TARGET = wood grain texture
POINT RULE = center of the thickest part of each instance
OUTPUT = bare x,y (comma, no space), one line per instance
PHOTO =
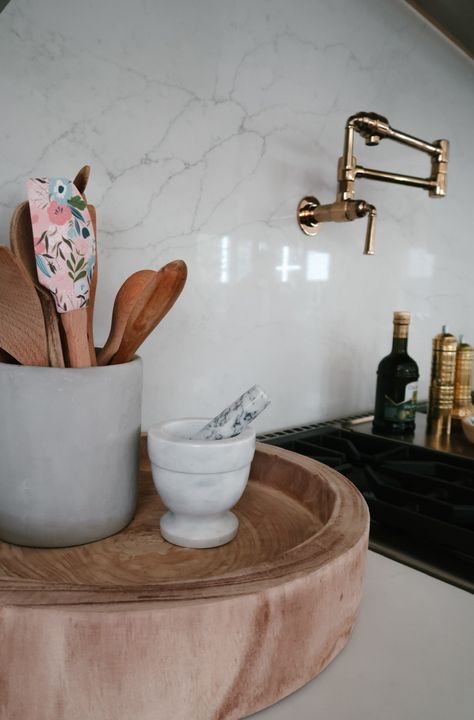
150,308
81,180
22,329
128,294
21,243
74,324
131,627
92,290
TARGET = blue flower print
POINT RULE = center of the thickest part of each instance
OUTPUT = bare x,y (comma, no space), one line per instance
60,189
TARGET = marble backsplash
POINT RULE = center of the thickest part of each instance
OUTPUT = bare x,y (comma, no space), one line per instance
205,123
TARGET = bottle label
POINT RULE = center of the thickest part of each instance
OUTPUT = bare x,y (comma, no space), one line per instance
403,411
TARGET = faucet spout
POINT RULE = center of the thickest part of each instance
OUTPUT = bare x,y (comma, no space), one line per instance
373,128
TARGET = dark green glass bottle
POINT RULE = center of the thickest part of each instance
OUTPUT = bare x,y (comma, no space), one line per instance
397,376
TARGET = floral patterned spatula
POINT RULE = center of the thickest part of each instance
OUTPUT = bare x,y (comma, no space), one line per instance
65,251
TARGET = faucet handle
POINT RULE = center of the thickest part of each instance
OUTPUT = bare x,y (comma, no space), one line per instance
364,208
370,233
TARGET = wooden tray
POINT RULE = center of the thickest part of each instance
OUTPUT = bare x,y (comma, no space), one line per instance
134,628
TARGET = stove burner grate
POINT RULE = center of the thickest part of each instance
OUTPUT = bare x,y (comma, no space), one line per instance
416,496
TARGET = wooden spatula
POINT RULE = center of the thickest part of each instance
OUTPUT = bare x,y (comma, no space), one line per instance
125,301
64,244
154,302
21,243
22,330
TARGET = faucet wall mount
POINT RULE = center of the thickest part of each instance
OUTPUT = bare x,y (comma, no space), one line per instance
373,128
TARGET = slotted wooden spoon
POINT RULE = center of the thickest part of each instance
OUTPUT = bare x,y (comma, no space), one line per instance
22,330
155,301
125,301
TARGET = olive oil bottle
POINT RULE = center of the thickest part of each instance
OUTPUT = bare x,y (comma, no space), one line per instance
397,376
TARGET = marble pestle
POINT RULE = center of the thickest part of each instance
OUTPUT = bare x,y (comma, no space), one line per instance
231,421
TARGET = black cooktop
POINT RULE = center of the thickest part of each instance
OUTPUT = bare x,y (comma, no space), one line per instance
421,498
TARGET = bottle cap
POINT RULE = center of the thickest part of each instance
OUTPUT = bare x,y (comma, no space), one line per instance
401,317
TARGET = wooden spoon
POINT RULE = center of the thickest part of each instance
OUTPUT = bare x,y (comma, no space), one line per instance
64,244
22,330
124,304
21,242
155,301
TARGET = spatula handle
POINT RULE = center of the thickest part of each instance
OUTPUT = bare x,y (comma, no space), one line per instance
75,328
92,291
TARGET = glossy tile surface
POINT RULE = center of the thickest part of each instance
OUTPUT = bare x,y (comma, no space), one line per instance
204,124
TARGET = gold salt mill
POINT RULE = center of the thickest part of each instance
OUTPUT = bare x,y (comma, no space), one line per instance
463,383
443,373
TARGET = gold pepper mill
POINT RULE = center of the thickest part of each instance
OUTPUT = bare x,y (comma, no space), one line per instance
463,383
443,372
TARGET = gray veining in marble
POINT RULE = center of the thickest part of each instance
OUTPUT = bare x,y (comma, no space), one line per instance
204,124
236,416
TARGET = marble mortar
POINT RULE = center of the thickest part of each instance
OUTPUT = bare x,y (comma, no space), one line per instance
198,481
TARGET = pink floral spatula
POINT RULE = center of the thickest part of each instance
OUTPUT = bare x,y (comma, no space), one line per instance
65,252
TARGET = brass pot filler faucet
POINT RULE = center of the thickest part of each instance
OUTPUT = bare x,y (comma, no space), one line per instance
373,129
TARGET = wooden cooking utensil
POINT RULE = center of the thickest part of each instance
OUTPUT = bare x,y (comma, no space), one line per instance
80,182
64,244
156,300
81,179
21,242
125,301
22,330
92,292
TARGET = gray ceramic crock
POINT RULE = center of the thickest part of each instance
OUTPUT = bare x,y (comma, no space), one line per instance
69,451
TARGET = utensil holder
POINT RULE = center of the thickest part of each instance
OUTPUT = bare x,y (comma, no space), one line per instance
69,452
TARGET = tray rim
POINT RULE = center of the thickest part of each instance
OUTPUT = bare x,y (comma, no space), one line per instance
308,557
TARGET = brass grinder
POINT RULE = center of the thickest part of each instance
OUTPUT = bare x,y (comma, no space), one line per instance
443,373
463,406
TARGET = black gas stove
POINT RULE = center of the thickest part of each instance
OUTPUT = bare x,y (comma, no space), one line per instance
420,491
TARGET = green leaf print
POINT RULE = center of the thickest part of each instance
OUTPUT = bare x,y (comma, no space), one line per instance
77,202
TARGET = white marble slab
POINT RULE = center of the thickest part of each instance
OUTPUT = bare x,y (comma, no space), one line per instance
205,123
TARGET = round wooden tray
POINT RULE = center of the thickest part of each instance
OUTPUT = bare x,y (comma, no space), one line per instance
132,627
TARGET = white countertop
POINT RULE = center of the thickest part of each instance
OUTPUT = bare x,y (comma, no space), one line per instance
410,657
